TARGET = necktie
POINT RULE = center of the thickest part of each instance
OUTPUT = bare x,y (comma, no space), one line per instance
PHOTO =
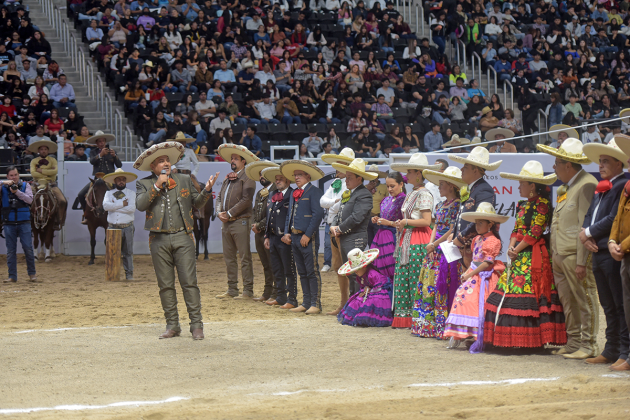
277,197
603,186
297,194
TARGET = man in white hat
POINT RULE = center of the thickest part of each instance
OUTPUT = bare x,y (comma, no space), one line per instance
168,200
501,146
561,136
44,171
120,205
571,263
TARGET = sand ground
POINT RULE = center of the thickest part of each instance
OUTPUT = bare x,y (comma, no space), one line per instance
75,340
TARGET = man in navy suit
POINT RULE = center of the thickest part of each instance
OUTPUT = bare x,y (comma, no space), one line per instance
281,253
302,230
594,235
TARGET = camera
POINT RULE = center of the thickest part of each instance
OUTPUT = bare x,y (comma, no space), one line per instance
13,203
14,187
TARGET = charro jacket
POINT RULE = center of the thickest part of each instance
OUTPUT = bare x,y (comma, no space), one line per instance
238,198
354,215
259,218
277,214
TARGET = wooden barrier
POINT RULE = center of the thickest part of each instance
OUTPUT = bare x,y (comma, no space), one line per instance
113,254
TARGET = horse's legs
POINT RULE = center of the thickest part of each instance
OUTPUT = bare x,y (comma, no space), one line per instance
36,244
92,243
48,242
205,226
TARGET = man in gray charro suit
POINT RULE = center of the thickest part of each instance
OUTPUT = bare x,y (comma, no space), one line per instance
351,223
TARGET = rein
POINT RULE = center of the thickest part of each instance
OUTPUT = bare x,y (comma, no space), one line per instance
43,210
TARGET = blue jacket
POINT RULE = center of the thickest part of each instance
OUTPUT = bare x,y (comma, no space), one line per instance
21,213
606,213
308,213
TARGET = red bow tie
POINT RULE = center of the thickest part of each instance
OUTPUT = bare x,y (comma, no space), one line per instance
277,197
603,186
297,194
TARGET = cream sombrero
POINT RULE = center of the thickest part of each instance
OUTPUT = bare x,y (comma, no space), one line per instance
129,176
252,170
571,150
594,150
492,134
417,161
100,135
451,174
477,142
357,259
485,211
34,147
479,156
181,137
345,156
456,141
567,129
172,149
288,167
228,149
532,172
271,172
374,169
625,113
357,167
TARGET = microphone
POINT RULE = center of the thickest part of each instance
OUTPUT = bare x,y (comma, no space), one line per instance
163,173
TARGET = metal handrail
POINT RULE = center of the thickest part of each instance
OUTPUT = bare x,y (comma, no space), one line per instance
421,16
108,106
130,145
477,69
540,130
119,124
507,83
463,60
495,76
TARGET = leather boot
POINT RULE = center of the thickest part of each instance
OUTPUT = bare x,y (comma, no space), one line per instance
169,334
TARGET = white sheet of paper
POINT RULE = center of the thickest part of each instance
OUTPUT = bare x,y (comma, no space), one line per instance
451,252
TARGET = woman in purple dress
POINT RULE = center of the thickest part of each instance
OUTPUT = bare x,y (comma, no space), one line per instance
385,238
372,305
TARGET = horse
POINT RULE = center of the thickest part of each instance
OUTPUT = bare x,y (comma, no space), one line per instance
201,225
96,216
43,211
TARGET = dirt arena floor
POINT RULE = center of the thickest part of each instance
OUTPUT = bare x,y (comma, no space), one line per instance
74,346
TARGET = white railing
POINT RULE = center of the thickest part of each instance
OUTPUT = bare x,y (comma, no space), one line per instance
507,83
476,68
495,77
461,60
273,149
541,113
108,106
420,10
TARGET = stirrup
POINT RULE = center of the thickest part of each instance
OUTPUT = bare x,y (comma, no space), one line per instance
453,343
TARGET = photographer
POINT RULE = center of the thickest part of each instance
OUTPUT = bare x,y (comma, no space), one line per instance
16,197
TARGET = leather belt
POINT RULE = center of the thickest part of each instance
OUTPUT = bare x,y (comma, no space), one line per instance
233,219
296,232
119,226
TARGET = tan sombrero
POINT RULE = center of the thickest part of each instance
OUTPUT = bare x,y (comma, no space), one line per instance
148,63
532,172
100,135
172,149
228,149
570,131
594,150
374,169
417,161
480,157
357,259
485,211
625,113
451,174
252,170
271,172
477,142
288,167
181,137
129,176
571,150
357,167
491,134
345,156
34,147
456,141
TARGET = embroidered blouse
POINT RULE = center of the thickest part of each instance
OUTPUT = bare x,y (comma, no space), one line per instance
391,207
423,202
485,248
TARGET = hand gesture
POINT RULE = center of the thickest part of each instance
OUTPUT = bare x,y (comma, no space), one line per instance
615,251
430,248
580,272
267,243
211,182
512,254
287,239
125,203
466,276
254,229
223,216
583,236
375,219
103,153
304,241
591,245
162,178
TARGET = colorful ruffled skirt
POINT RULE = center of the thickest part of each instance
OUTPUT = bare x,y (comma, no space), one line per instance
376,311
385,241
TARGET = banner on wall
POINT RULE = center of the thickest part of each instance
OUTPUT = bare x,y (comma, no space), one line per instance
77,237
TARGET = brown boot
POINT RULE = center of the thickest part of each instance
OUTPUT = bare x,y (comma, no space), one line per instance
169,334
198,334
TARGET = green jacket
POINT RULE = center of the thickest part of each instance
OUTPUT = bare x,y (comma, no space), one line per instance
151,200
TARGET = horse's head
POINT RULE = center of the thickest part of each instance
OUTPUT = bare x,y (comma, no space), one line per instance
100,188
42,207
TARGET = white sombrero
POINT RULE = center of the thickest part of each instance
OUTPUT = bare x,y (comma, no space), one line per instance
567,129
288,167
571,150
271,172
357,167
625,113
485,211
228,149
480,157
456,141
374,169
181,137
172,149
532,172
345,156
252,170
477,141
100,135
491,134
451,174
417,161
129,176
357,259
34,147
594,150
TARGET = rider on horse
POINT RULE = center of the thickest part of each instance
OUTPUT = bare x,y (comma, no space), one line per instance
44,172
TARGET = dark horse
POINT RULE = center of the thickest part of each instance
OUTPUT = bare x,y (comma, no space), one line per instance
201,225
96,216
43,211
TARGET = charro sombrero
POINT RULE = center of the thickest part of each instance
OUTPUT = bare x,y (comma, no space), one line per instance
181,137
567,129
485,211
417,161
374,168
228,149
594,150
271,172
34,147
491,134
532,172
100,135
571,150
456,141
252,170
477,157
129,176
288,167
625,113
345,156
451,174
477,141
357,259
357,167
172,149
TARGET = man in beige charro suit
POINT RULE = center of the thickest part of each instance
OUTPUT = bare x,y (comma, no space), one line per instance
571,260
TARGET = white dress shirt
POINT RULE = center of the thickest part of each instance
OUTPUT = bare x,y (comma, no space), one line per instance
189,162
329,201
117,212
